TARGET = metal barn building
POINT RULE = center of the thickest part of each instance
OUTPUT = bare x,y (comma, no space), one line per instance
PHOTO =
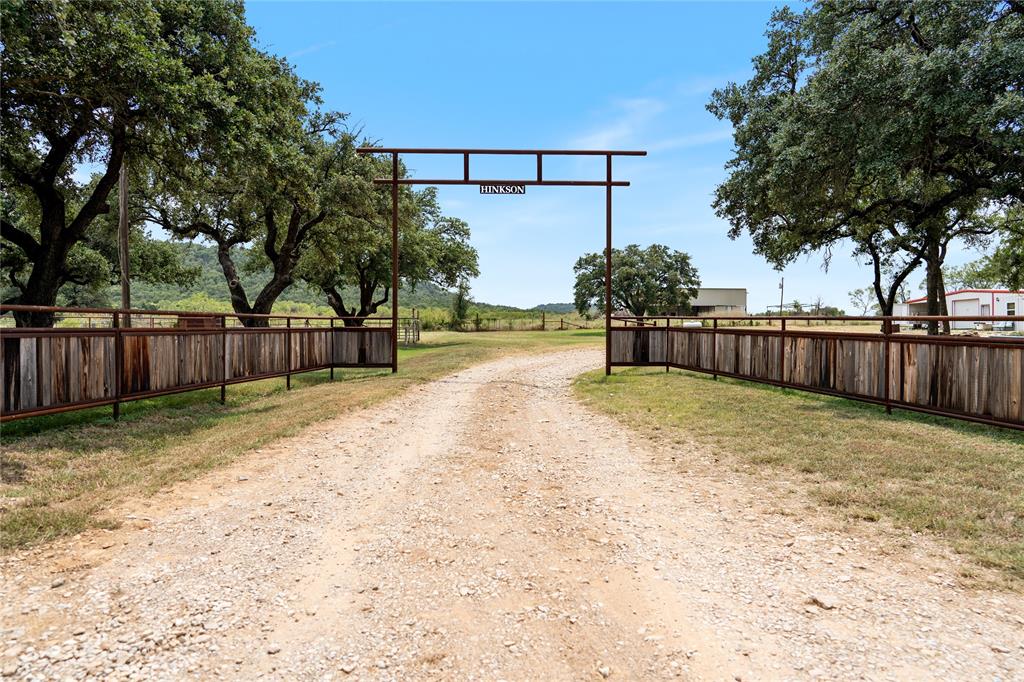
718,301
981,302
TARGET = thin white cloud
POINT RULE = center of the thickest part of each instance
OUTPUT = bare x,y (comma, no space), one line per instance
691,140
310,49
639,122
632,116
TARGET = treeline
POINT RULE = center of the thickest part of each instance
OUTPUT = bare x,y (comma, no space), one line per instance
217,140
201,261
206,292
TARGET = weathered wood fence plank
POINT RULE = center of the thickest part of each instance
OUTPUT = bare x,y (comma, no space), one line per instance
50,370
969,377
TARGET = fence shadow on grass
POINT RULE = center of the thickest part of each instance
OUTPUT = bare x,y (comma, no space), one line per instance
843,408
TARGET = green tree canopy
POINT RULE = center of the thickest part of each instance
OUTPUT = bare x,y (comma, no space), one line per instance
898,124
89,83
655,280
460,304
296,173
355,248
92,263
1007,261
1003,267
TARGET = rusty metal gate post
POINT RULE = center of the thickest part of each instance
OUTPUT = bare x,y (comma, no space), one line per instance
608,268
394,261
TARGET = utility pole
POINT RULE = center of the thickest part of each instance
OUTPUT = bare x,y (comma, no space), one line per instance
122,241
782,294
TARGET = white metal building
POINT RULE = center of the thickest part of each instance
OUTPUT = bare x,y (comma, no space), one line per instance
720,301
981,302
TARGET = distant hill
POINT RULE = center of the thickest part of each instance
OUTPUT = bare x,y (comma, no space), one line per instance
561,308
211,284
210,287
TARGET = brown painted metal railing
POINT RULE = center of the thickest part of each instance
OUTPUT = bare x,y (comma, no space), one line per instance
969,376
92,358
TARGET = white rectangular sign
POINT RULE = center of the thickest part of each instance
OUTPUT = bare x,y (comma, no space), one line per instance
502,189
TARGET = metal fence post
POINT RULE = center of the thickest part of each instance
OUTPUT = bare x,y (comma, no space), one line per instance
332,349
714,348
118,364
903,371
668,323
886,331
782,352
224,358
288,353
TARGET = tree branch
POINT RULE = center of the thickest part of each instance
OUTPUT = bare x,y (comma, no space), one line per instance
270,243
335,301
387,293
97,201
309,224
16,283
19,238
61,146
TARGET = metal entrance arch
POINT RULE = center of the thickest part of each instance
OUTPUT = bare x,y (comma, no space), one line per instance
466,179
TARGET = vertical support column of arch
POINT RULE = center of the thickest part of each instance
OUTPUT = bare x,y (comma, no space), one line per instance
608,268
394,262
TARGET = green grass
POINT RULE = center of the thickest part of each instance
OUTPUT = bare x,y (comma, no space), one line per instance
961,482
61,473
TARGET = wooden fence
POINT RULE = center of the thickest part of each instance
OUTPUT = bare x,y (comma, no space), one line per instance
978,378
70,367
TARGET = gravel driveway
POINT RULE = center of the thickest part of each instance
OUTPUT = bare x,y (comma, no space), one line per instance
487,526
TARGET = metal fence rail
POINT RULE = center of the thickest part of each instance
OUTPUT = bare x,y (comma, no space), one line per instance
91,358
973,377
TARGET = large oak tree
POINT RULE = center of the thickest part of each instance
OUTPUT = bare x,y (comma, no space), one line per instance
898,125
652,281
272,199
84,84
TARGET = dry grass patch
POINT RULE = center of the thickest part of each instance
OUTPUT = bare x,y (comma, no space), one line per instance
61,473
959,481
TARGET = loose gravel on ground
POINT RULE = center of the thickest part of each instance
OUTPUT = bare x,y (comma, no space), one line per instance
487,526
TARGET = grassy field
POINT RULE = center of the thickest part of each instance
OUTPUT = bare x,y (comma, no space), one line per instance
959,481
60,473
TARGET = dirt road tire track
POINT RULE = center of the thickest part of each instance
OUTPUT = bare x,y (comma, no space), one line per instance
487,526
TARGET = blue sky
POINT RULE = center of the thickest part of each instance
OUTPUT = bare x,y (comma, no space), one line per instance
539,75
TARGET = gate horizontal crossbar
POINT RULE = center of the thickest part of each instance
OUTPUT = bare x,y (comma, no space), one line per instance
537,181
